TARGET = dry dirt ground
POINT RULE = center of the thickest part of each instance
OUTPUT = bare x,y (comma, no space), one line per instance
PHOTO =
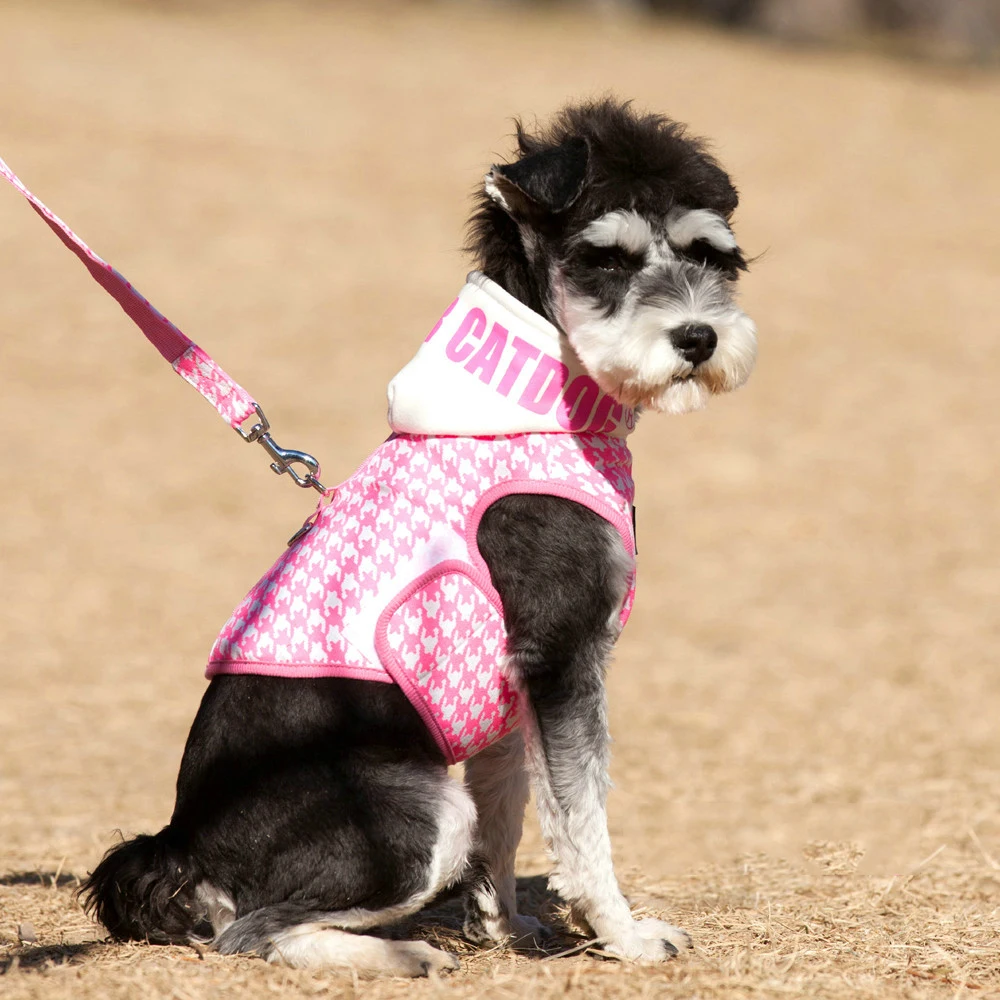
805,705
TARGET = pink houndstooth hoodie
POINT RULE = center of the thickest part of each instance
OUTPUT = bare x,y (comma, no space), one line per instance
388,584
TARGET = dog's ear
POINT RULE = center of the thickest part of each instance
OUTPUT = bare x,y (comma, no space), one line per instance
540,184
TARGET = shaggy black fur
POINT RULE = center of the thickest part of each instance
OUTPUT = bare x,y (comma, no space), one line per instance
283,796
613,158
144,890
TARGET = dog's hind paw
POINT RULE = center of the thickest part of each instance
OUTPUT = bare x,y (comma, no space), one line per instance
417,958
519,931
527,932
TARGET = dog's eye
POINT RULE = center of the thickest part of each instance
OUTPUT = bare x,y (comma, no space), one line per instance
728,261
613,258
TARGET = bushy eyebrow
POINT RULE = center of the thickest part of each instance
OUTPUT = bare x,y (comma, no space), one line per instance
622,228
686,225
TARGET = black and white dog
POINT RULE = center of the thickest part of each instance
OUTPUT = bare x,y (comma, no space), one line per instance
312,811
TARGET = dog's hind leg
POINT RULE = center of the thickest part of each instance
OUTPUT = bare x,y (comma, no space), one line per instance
308,813
315,944
498,783
304,934
292,936
562,574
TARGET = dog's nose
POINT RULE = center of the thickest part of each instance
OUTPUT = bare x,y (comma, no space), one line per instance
694,342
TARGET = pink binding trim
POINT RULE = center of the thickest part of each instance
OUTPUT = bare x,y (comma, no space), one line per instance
296,670
231,400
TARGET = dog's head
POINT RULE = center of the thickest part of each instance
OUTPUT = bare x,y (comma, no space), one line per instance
615,225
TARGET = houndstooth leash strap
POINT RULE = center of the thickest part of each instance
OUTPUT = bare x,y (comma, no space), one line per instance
233,403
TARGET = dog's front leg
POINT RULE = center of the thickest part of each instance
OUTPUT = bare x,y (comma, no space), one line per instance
498,783
562,574
569,757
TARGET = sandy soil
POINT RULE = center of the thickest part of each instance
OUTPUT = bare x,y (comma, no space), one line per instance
805,704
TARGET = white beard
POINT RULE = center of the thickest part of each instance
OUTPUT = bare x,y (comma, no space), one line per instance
631,357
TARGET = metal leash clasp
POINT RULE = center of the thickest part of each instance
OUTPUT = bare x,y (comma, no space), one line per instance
283,459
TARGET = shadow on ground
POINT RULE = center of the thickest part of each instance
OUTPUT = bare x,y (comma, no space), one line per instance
34,958
47,880
441,922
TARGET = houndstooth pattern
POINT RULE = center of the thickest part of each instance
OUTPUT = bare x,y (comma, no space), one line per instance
200,371
389,585
448,638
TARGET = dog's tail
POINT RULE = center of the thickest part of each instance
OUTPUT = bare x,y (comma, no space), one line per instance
144,889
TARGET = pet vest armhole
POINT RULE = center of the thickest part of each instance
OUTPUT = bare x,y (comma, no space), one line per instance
620,517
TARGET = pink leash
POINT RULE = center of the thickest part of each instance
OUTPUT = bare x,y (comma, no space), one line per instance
233,402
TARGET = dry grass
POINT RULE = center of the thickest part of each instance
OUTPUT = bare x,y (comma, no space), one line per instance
805,701
763,927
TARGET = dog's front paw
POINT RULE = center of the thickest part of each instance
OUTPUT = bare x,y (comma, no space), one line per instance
650,940
652,929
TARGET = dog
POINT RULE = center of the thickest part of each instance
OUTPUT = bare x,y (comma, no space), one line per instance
489,550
